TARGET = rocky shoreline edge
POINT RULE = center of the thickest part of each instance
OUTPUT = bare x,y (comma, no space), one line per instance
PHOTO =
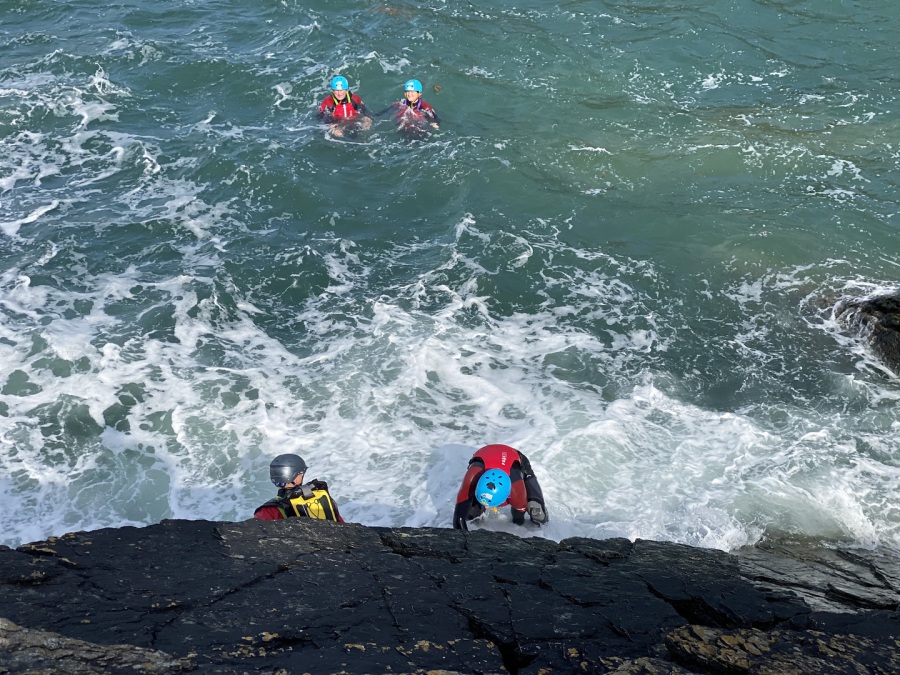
305,596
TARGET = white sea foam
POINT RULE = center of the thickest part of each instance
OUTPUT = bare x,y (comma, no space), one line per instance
11,228
713,81
705,401
376,413
589,149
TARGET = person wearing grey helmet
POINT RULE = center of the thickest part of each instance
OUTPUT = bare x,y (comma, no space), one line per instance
297,498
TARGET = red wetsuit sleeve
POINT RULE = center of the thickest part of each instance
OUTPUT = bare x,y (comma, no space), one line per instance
336,512
359,106
467,487
327,106
517,496
430,112
268,513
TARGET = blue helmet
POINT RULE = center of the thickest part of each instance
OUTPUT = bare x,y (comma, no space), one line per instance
493,488
339,83
413,85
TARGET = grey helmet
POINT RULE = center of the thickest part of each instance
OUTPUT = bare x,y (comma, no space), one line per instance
285,468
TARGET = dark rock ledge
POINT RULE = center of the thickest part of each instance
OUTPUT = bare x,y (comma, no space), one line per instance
300,596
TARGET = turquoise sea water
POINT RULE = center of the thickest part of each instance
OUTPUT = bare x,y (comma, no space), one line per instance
618,254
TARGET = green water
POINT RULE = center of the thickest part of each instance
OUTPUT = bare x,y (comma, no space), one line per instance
619,253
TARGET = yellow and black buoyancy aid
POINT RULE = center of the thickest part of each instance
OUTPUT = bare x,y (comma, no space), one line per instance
310,500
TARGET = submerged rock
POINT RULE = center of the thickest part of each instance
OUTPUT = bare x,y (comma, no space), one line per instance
877,320
320,597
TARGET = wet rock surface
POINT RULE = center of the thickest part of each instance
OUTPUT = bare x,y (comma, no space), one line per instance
830,580
318,597
37,651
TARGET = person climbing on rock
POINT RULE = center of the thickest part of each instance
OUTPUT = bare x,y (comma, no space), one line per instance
499,475
296,498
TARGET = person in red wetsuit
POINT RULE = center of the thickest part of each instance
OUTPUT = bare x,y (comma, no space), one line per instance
499,475
412,113
296,498
343,110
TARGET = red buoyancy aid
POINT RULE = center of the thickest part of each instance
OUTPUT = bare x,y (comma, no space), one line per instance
344,110
502,457
498,457
419,110
417,113
493,457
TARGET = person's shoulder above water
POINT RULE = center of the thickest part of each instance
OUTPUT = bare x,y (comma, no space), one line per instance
414,111
343,110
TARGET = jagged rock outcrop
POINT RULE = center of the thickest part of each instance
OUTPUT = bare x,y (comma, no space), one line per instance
876,320
779,651
318,597
38,652
827,579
